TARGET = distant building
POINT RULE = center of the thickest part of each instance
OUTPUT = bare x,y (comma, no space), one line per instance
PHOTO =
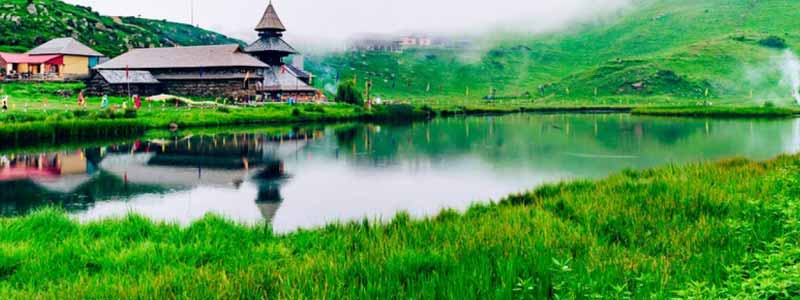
416,41
203,71
58,59
374,43
281,81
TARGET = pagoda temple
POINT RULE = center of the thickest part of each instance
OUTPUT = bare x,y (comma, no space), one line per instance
281,81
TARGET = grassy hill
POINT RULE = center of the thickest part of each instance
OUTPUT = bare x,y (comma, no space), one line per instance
676,50
25,24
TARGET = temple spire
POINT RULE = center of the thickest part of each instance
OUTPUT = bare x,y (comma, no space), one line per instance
270,22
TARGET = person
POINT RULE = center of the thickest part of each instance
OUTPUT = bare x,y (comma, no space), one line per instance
125,104
5,103
104,104
81,99
137,102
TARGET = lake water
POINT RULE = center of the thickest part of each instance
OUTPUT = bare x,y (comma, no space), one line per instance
310,176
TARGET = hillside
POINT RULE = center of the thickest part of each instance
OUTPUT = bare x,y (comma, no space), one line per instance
674,49
24,24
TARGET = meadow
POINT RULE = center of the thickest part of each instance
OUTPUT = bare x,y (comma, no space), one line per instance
725,230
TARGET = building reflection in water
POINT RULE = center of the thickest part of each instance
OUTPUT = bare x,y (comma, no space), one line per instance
79,180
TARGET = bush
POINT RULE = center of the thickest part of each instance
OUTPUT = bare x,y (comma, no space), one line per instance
296,112
130,113
314,108
59,117
773,42
769,104
347,92
80,113
223,109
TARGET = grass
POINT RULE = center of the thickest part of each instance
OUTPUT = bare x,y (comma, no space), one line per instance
726,230
717,111
686,50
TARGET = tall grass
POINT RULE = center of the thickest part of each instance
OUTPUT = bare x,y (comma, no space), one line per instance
703,231
717,111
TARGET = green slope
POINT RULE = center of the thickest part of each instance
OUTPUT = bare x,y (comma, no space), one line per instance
670,49
25,24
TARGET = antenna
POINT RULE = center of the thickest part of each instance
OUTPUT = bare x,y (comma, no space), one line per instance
191,7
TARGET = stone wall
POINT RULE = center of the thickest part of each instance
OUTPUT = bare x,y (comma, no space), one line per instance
98,86
218,88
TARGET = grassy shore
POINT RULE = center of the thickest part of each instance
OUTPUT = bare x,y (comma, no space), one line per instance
727,230
718,111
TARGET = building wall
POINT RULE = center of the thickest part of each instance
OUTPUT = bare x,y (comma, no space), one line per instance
75,66
209,88
97,86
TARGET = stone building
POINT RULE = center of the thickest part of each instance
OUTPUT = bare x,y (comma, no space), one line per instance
202,71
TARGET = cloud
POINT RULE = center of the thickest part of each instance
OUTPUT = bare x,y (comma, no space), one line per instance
327,20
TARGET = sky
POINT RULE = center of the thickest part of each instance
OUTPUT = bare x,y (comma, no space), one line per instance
338,20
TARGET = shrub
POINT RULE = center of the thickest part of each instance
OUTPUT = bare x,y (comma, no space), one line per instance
314,108
769,104
773,42
296,112
347,92
58,117
223,109
130,113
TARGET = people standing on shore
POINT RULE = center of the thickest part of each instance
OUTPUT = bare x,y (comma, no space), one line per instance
81,100
5,103
104,103
137,102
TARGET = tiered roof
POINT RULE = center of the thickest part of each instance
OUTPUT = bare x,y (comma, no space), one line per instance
270,21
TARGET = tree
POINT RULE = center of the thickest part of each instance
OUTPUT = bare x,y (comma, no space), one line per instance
773,42
347,92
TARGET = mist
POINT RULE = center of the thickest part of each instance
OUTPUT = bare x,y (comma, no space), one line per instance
790,67
332,22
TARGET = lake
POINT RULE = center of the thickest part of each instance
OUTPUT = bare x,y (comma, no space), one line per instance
309,176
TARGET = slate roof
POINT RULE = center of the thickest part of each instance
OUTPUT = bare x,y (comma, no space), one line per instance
297,72
183,57
270,21
275,80
65,46
198,76
272,43
119,77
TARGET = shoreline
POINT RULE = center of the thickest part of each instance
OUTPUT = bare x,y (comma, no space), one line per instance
71,126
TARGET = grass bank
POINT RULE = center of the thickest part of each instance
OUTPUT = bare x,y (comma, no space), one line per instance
727,230
718,111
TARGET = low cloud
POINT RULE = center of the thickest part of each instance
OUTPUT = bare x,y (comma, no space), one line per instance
331,21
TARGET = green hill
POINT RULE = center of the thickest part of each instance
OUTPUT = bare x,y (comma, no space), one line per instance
25,24
669,49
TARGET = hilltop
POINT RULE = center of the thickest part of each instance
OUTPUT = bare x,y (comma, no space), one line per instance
677,49
25,24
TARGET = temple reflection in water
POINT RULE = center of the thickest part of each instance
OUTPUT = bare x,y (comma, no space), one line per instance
78,180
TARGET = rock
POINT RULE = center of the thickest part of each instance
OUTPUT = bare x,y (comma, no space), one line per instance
99,25
32,9
638,86
173,126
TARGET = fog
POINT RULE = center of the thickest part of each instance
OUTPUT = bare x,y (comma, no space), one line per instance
325,21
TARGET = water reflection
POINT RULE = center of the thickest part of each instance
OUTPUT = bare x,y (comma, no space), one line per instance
307,177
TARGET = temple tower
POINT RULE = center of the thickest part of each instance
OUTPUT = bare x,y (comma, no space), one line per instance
270,46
